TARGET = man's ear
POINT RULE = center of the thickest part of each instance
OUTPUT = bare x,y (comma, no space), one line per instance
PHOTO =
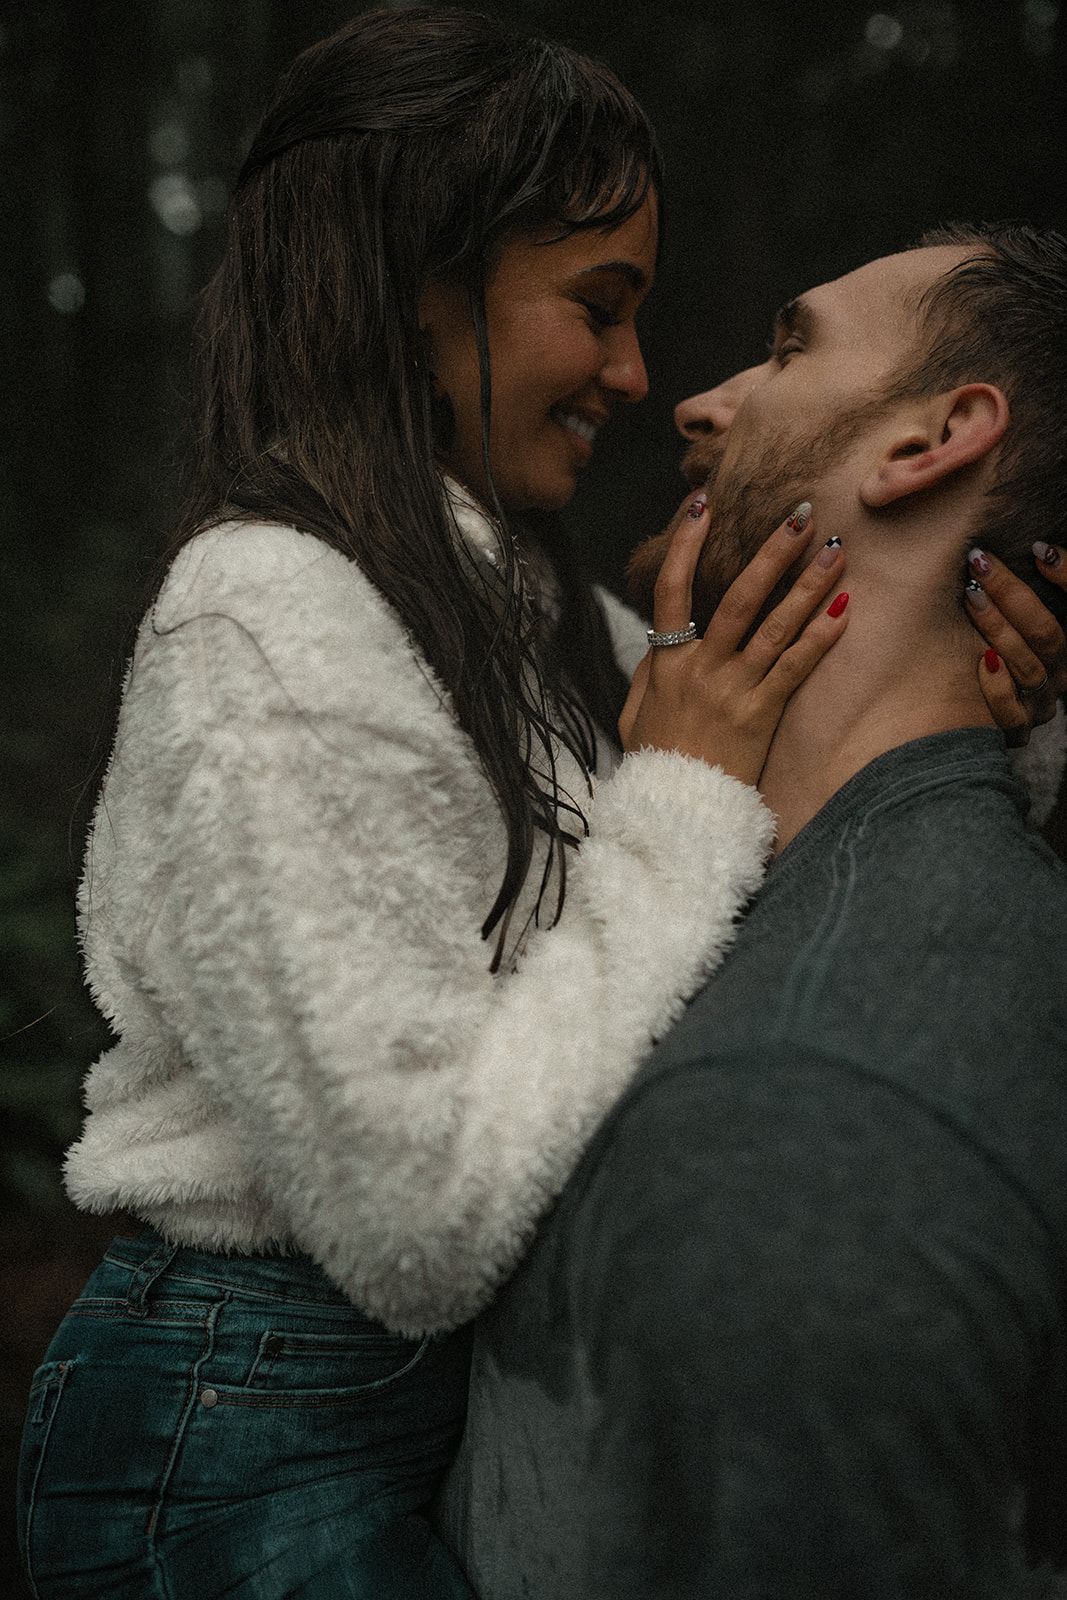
952,430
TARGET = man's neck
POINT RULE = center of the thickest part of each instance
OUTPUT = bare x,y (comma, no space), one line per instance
889,679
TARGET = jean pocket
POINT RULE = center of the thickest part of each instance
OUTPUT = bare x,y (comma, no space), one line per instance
287,1361
46,1392
317,1404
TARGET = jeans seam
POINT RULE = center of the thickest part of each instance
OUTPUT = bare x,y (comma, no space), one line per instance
263,1370
179,1440
279,1296
65,1368
119,1311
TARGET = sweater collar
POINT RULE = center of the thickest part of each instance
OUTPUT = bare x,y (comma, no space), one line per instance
479,530
954,757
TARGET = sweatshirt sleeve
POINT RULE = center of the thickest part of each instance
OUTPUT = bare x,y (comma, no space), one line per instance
314,942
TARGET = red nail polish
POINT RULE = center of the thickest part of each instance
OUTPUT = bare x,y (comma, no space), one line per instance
835,608
992,660
697,507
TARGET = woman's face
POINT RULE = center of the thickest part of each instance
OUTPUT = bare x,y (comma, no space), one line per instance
563,348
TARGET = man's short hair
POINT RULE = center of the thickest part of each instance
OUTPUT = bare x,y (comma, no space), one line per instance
1001,317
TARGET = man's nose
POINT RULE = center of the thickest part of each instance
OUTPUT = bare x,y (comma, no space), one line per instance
713,411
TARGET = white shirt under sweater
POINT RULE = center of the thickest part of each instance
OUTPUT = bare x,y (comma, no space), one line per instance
291,859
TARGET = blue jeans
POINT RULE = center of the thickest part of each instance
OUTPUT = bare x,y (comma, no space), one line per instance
207,1425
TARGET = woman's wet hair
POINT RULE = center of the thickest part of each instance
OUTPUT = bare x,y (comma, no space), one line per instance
413,144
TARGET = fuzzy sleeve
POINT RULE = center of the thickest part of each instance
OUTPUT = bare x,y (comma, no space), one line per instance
1039,765
317,955
628,631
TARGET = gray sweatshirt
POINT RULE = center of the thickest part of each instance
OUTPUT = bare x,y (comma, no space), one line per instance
796,1329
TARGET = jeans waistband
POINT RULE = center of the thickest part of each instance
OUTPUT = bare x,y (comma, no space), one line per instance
277,1274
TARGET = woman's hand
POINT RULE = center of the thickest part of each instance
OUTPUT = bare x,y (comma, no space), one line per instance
1024,636
712,698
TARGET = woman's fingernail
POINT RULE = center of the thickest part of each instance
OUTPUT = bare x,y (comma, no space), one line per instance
980,562
697,507
1047,554
992,660
799,520
976,595
835,608
828,554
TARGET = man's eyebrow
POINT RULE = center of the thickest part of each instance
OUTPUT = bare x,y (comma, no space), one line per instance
637,280
795,316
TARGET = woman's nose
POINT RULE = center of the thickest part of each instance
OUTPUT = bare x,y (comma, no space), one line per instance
624,372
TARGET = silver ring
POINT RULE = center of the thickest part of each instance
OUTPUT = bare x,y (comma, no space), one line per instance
659,641
1037,686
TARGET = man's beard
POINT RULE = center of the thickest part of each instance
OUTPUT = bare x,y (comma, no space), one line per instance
747,503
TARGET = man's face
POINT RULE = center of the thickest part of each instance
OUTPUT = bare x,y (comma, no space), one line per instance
785,431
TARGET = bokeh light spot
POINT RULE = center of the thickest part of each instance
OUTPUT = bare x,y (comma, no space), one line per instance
66,293
883,31
174,201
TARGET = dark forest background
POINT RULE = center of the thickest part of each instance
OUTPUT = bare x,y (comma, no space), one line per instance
800,140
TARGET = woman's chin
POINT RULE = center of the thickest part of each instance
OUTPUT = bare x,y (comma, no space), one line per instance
547,492
546,495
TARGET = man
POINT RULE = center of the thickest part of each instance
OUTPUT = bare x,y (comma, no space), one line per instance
797,1329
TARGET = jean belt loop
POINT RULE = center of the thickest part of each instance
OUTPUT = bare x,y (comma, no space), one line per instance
145,1276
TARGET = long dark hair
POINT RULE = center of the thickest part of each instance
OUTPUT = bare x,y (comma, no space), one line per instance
412,144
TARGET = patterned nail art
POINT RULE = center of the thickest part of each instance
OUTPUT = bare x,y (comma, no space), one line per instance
980,562
697,507
976,595
799,520
1047,554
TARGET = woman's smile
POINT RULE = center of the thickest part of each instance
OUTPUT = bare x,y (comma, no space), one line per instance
583,429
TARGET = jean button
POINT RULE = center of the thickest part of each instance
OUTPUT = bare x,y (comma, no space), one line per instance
209,1398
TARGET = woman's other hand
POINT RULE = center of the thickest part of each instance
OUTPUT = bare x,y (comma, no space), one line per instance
1024,637
718,698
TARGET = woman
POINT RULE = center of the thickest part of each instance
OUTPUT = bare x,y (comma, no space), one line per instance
350,798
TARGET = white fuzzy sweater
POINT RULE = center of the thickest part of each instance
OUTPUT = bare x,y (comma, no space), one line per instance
291,858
